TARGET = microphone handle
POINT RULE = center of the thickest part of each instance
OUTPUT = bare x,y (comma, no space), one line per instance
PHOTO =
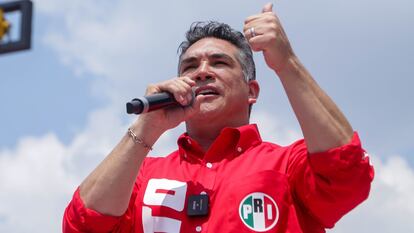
158,100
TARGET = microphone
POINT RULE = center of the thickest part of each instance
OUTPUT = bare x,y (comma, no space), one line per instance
152,102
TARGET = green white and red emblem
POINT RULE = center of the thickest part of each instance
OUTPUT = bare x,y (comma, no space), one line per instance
259,212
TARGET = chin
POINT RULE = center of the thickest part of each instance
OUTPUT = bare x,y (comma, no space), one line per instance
207,111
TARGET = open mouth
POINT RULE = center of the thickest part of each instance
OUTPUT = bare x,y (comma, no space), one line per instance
206,91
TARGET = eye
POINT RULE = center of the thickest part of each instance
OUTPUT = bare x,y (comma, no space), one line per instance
220,63
188,68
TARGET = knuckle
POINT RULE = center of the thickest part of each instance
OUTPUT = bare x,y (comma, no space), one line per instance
247,20
269,19
151,88
270,14
272,37
273,26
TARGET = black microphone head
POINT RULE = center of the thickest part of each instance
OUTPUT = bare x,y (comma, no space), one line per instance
135,106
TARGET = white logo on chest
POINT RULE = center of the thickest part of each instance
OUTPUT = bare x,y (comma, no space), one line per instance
163,192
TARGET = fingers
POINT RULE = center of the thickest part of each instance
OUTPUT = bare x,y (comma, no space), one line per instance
265,26
180,87
267,10
259,43
256,17
266,19
261,26
265,35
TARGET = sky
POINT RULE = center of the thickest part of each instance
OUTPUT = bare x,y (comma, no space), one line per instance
62,105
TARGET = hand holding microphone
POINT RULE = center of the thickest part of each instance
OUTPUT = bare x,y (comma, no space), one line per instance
173,92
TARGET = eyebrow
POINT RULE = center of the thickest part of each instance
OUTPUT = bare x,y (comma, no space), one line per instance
212,56
222,56
188,60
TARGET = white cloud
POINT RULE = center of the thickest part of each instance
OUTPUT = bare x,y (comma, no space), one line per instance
38,177
90,43
390,207
34,185
113,42
272,130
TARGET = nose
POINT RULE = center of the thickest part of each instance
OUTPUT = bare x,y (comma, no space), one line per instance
203,72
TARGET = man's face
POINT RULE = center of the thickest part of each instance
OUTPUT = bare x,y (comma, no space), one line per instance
212,63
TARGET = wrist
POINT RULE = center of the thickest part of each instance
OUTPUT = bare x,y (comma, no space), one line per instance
291,65
145,131
138,140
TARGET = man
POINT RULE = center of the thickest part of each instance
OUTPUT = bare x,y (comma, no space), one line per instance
223,177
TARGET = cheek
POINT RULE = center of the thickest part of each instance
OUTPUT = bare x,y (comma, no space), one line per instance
238,95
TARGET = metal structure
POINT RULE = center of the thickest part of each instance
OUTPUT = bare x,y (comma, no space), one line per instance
25,7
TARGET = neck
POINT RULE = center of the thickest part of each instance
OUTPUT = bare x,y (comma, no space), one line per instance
206,133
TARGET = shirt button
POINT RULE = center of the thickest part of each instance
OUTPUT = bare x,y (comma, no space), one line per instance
203,193
209,165
239,149
198,228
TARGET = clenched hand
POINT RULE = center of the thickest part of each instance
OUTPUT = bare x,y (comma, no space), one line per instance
265,33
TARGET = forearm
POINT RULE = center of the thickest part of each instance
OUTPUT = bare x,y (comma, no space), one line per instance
322,123
109,187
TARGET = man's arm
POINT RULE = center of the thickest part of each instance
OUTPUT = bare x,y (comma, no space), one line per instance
108,188
322,123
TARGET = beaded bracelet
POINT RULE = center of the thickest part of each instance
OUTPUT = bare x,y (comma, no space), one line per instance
138,140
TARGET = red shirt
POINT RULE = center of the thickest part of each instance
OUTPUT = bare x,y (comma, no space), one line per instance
252,186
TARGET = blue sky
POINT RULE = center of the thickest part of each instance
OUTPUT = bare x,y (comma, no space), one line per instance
63,102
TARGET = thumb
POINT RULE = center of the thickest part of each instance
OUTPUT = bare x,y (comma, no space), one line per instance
268,7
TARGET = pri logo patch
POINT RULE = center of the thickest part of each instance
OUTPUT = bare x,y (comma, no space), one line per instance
259,212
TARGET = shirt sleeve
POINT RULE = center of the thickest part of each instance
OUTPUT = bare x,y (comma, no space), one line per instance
330,184
77,218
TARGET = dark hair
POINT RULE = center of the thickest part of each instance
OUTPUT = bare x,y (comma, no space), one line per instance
200,30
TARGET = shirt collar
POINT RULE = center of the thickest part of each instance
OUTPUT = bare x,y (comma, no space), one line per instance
229,143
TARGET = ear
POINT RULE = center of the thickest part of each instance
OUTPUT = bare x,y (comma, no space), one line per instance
254,90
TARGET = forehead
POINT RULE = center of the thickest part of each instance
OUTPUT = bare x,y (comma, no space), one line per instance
208,46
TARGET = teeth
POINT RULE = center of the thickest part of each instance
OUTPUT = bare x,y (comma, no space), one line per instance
207,91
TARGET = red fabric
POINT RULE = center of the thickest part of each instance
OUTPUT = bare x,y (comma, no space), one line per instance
311,191
80,219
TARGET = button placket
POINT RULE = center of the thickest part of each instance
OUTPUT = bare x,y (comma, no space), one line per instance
209,173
